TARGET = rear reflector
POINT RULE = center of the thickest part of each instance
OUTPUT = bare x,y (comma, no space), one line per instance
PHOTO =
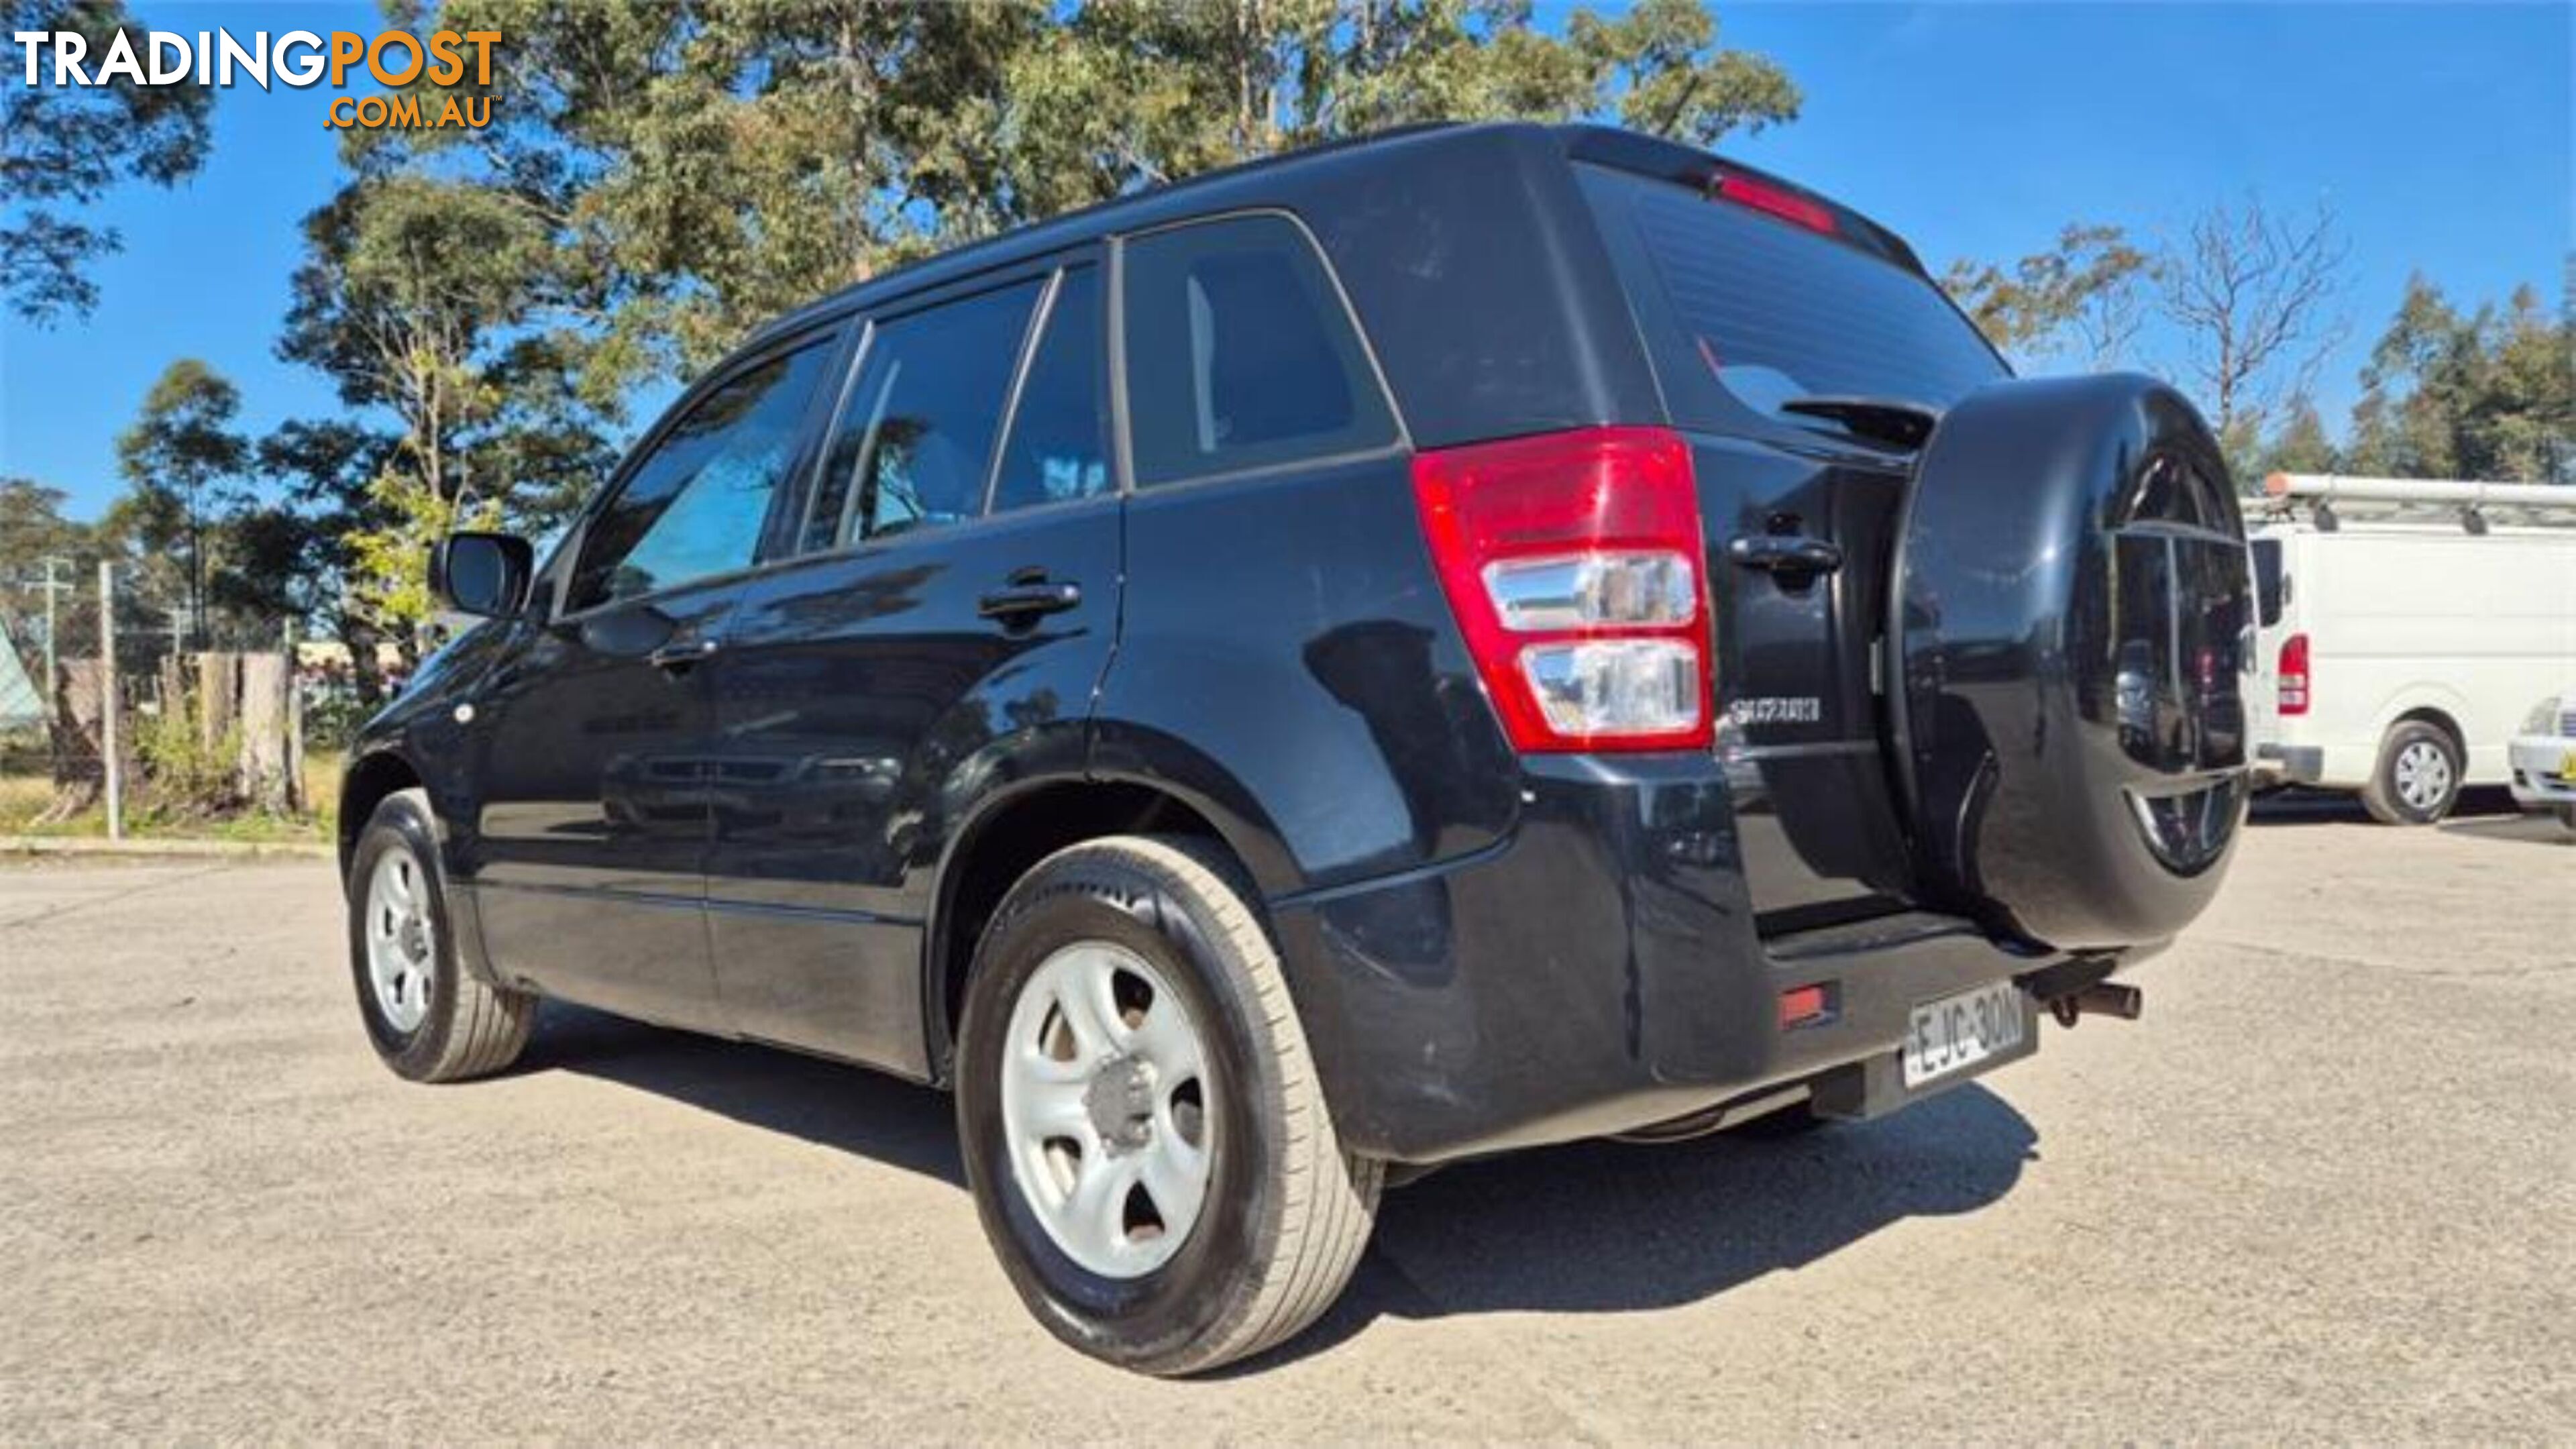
1802,1005
1787,205
2293,674
1573,564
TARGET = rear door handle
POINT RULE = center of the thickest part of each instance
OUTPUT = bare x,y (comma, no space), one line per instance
1793,553
1029,600
678,657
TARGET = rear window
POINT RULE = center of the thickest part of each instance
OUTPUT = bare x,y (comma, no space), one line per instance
1775,312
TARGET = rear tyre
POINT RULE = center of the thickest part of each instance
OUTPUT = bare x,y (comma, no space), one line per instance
429,1018
1143,1130
2417,780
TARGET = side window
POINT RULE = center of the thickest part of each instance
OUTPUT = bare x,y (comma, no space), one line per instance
694,506
915,434
2268,593
1056,448
1240,353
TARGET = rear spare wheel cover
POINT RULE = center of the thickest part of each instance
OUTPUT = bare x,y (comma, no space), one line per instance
2070,622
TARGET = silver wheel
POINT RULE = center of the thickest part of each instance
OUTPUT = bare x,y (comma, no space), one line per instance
402,947
2423,775
1108,1109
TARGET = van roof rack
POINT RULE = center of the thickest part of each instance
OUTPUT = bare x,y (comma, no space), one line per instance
2331,494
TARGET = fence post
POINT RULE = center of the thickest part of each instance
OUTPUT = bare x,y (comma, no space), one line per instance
107,698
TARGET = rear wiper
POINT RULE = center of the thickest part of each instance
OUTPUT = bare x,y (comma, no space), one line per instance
1879,419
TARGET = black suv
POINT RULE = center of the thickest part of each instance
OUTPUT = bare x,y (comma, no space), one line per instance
1480,637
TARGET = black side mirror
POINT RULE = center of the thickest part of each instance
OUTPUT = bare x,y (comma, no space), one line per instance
484,574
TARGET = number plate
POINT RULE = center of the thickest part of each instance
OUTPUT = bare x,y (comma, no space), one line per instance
2567,768
1957,1032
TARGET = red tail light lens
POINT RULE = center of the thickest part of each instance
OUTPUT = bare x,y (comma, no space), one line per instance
1573,563
2294,674
1786,205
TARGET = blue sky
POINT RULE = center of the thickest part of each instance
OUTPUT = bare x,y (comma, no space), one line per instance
2441,134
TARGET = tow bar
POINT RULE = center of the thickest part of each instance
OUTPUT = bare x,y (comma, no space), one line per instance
2102,998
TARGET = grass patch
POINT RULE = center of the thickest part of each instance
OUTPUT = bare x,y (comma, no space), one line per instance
24,797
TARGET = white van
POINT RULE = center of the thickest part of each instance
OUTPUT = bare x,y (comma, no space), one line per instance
2405,627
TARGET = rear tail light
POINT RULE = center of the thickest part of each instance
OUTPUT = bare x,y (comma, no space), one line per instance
1573,563
2294,674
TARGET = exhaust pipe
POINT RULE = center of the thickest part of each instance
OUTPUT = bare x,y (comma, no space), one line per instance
2102,998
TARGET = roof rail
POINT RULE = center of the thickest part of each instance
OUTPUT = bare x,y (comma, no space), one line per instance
2400,500
2338,488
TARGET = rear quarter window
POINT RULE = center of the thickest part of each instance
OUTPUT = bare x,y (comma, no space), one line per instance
1241,354
1768,311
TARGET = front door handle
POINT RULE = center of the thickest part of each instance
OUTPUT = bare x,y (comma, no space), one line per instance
1029,599
680,656
1792,553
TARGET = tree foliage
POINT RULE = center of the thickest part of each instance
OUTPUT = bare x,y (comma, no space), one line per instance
63,147
183,462
2487,394
2083,298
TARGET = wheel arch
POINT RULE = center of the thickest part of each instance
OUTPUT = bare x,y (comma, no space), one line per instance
2436,716
369,779
1008,834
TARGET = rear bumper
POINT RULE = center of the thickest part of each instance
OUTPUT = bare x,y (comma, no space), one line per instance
2539,770
1598,972
2289,764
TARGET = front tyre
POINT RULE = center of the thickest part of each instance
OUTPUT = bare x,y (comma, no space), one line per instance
429,1018
2418,777
1146,1139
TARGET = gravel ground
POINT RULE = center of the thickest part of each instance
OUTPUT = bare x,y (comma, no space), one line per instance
2324,1191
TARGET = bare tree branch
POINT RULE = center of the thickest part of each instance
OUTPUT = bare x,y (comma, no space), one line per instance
2250,291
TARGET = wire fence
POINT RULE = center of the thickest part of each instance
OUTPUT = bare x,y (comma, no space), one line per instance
118,714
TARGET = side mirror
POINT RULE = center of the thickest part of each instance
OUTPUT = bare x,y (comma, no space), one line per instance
483,574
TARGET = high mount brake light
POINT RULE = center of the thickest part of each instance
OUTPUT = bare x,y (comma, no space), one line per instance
1573,562
1786,205
2293,674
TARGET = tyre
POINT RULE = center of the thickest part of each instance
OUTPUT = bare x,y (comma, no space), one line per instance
1143,1130
2567,816
430,1019
2417,780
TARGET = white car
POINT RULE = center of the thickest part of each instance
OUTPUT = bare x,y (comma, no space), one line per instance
2543,756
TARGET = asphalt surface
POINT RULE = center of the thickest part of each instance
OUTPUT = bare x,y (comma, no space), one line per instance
2325,1191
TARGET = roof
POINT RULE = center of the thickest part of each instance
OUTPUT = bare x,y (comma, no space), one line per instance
1244,183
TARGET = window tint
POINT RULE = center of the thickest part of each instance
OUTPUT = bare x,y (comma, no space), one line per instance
695,505
1778,312
1056,447
1240,353
916,431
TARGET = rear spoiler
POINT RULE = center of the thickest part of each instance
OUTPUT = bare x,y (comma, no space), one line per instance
1704,171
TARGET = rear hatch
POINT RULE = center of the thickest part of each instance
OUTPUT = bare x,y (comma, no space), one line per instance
1803,356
